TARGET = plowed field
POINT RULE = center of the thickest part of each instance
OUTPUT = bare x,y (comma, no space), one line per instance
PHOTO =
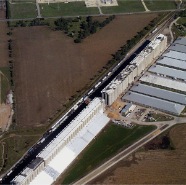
49,67
152,167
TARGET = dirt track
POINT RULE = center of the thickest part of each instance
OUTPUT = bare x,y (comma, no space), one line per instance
49,67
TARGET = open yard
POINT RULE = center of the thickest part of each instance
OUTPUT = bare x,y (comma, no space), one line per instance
154,5
50,67
65,9
153,166
124,6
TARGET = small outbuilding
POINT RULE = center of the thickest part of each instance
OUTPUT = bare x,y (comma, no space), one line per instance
127,108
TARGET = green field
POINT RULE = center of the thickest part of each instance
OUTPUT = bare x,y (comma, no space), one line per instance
154,5
5,83
15,147
182,20
19,9
112,139
179,29
22,10
124,6
16,143
66,9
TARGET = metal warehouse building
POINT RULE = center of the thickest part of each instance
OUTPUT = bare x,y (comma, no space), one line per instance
166,106
180,40
171,62
178,47
159,93
165,82
175,54
168,72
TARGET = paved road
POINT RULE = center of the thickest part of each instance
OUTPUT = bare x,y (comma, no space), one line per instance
38,10
144,5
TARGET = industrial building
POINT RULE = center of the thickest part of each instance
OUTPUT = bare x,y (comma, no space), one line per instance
178,47
175,54
170,69
128,108
180,40
159,93
172,62
67,145
168,72
145,58
164,82
162,105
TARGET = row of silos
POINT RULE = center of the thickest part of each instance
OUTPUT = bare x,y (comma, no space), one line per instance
145,58
60,141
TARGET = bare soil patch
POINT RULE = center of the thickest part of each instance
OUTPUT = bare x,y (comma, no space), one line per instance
152,167
49,67
5,112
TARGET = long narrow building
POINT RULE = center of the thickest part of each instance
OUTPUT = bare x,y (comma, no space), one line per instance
65,147
145,58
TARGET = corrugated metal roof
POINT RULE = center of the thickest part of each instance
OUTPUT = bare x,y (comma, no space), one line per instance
178,47
160,93
133,64
175,54
156,103
126,108
172,62
180,40
68,153
158,80
168,71
64,134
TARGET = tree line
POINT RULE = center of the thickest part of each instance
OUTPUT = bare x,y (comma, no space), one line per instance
87,26
119,55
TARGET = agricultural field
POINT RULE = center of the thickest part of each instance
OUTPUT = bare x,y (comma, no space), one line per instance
50,67
160,5
112,139
157,165
124,6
